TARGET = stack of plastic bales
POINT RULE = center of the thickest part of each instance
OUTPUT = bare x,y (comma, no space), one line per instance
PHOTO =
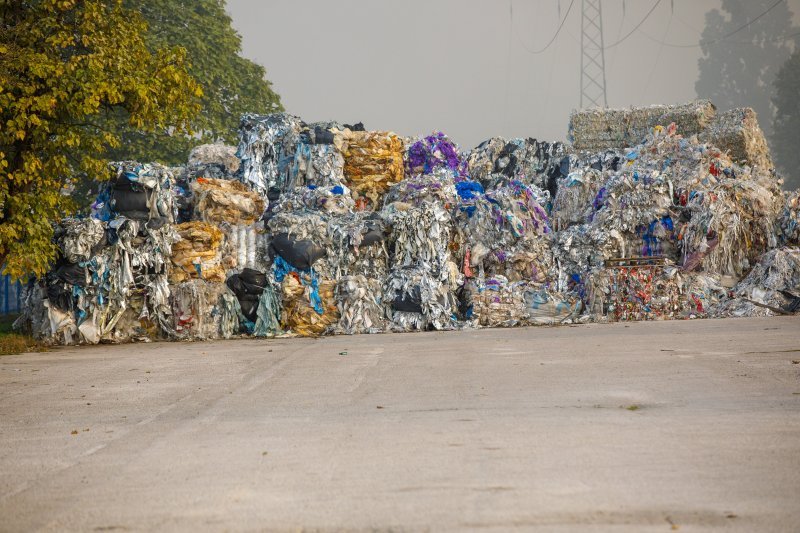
359,260
327,228
110,282
671,198
236,211
300,270
419,292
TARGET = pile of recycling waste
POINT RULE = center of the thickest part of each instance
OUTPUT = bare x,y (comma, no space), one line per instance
313,229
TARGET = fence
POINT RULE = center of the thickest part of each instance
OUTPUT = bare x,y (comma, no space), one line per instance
10,296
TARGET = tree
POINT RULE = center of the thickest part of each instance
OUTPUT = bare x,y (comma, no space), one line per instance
64,64
232,85
786,128
738,70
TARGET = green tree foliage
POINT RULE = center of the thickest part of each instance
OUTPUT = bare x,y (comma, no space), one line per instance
786,128
738,71
232,85
64,65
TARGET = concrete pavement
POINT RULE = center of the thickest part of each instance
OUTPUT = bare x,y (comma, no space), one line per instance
690,426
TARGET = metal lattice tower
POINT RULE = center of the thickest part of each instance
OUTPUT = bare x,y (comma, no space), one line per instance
593,58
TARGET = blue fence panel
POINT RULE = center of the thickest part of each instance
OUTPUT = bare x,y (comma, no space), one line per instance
10,296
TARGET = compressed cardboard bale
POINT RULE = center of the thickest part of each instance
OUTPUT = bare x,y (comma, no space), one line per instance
737,133
217,200
373,161
299,314
198,254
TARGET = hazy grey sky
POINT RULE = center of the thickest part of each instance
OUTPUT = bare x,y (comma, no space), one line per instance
412,66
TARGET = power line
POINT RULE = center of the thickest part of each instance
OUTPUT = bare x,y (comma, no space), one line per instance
730,33
635,27
552,40
743,26
695,45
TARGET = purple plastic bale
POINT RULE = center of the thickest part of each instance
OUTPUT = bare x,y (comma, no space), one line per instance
433,152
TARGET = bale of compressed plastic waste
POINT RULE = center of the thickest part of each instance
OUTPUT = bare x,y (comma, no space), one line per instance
771,288
789,220
212,161
737,133
572,203
546,307
139,191
267,147
248,285
333,199
319,157
537,163
495,302
309,304
218,200
415,299
601,129
731,224
117,290
629,291
373,161
198,255
438,187
79,239
435,152
197,309
503,232
359,300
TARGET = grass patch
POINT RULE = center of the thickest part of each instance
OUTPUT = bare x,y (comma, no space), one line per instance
13,343
5,323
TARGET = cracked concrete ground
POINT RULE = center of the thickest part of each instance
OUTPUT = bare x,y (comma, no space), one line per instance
623,427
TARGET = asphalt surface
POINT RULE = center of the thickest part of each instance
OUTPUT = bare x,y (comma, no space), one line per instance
690,426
